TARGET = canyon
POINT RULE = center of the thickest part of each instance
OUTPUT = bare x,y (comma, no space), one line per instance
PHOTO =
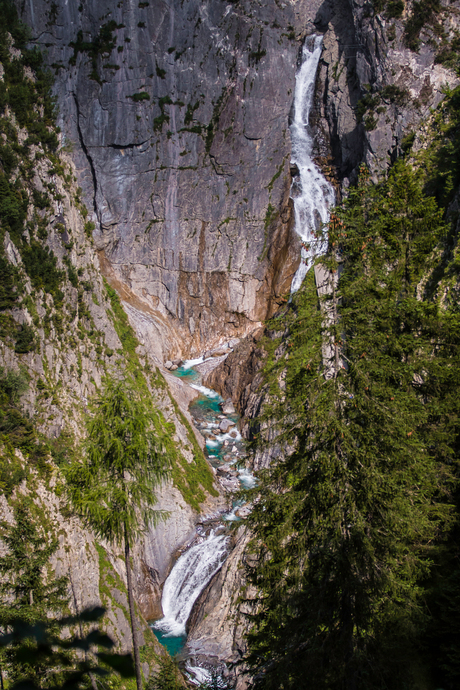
176,123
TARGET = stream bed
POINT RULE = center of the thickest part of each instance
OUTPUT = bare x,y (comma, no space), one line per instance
217,420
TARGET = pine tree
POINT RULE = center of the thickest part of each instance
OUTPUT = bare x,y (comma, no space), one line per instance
343,524
113,488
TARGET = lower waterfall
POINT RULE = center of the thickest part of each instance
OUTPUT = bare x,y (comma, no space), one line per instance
313,195
186,581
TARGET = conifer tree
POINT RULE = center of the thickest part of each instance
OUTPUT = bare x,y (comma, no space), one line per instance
113,487
27,592
343,524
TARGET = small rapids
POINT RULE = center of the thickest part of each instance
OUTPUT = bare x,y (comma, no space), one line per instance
313,195
187,579
199,563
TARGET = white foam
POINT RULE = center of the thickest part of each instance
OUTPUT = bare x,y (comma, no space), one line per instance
197,675
189,363
313,195
208,392
247,478
187,579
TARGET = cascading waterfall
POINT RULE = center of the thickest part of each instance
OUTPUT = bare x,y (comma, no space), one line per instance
313,195
186,581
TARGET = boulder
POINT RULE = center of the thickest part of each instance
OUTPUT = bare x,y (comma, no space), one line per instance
168,364
219,353
233,342
228,407
243,512
225,425
173,367
233,434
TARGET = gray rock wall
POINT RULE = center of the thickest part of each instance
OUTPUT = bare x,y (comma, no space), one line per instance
188,185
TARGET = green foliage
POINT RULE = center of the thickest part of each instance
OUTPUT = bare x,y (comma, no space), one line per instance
140,96
423,13
346,524
194,478
122,326
41,266
190,113
24,96
13,206
25,591
45,645
441,161
124,460
168,677
16,430
25,339
10,284
103,44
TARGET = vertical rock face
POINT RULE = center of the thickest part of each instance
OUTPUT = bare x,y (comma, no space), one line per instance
177,113
372,90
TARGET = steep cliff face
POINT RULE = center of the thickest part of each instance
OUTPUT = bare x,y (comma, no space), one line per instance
62,331
178,117
175,118
373,91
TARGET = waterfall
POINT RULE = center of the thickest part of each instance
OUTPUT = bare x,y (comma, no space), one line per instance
313,195
186,581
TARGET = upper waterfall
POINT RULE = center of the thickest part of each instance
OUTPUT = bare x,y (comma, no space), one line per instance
313,195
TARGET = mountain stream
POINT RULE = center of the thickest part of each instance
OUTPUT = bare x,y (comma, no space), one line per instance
215,418
217,421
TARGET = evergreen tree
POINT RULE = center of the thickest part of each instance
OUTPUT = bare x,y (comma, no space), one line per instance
27,592
343,525
114,486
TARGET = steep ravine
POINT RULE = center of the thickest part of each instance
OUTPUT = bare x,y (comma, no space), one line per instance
176,126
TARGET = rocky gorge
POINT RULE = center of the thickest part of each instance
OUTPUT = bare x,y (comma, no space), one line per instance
174,207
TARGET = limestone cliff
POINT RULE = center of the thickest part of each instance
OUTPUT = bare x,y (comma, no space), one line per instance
174,119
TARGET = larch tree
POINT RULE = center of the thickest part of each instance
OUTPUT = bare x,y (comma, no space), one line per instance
124,461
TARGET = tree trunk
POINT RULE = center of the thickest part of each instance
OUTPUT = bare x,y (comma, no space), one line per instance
137,661
77,613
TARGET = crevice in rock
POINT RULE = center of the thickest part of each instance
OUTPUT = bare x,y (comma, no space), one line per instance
121,147
90,161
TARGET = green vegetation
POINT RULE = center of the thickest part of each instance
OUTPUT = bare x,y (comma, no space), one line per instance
45,645
41,266
140,96
103,44
192,478
25,594
25,97
114,487
349,526
122,326
17,431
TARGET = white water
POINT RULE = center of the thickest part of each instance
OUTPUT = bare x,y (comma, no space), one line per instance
189,363
208,392
313,195
187,579
247,478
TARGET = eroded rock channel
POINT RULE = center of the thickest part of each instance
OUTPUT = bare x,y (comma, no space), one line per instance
203,556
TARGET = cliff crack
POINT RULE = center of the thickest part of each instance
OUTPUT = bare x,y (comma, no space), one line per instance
120,147
89,159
